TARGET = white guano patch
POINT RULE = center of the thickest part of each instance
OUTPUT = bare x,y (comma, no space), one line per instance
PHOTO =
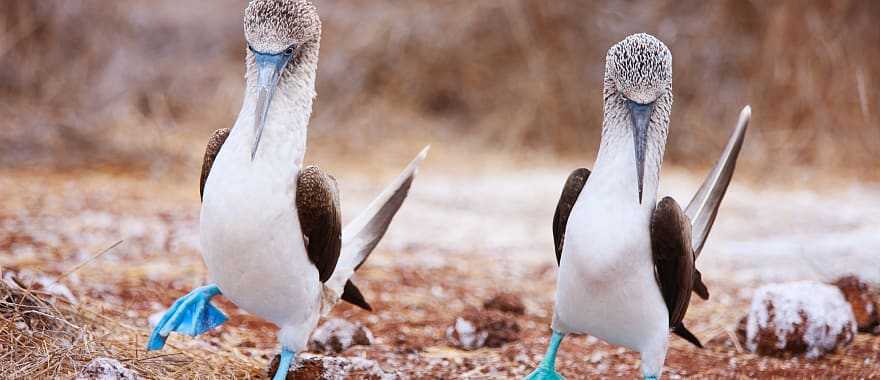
820,309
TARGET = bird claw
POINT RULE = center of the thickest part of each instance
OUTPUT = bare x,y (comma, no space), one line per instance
544,373
192,314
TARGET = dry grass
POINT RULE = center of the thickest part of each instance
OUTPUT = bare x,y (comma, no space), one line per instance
46,336
82,78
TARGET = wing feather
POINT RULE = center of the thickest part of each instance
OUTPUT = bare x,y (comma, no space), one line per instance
317,205
570,192
673,262
362,234
703,208
214,144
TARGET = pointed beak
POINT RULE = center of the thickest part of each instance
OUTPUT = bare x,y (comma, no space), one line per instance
640,114
269,69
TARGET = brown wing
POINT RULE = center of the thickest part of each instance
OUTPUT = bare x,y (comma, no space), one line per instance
214,144
570,193
673,257
317,204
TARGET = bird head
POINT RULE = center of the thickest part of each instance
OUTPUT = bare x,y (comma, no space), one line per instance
638,79
282,36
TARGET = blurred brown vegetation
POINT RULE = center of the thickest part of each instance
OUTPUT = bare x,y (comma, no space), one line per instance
95,82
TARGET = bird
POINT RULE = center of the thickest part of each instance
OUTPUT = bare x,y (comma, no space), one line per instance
627,262
270,228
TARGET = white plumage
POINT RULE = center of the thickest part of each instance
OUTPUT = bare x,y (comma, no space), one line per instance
606,285
626,266
250,233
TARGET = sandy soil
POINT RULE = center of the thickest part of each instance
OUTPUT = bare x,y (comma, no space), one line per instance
459,240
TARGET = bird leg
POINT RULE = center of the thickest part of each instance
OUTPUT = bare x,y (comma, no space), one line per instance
192,314
547,369
284,364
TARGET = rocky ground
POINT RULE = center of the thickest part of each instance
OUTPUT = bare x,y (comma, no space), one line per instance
462,239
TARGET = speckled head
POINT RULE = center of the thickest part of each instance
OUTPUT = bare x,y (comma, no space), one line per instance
283,38
640,67
272,26
638,93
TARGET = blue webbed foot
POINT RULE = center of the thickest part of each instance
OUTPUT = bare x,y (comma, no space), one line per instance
192,314
284,364
544,373
546,370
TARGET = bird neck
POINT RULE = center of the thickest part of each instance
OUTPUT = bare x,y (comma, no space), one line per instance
614,171
284,136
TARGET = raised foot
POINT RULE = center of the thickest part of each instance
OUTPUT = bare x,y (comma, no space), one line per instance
544,373
192,315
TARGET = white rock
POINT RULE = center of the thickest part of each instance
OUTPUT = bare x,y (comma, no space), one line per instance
466,335
798,317
482,328
105,369
337,335
321,367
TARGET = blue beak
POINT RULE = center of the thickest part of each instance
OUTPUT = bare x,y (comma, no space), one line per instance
269,70
640,114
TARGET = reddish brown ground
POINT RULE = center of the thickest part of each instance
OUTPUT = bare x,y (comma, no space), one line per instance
49,223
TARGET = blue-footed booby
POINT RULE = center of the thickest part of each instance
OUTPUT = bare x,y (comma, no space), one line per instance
270,229
626,262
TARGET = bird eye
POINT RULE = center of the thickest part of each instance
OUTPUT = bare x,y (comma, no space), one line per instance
289,51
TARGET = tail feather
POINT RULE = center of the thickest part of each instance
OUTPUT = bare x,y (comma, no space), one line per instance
683,332
361,236
699,287
352,295
703,208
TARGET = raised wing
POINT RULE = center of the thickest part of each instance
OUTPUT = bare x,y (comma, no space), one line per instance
214,144
674,263
317,205
570,192
362,234
704,206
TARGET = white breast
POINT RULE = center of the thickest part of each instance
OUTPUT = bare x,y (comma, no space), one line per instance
606,285
251,238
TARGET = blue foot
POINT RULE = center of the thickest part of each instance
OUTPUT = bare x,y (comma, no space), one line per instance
547,369
284,364
544,373
192,314
650,378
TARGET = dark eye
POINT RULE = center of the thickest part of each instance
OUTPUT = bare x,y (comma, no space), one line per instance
289,51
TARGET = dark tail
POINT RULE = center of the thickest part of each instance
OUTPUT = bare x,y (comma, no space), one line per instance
683,332
352,295
699,287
